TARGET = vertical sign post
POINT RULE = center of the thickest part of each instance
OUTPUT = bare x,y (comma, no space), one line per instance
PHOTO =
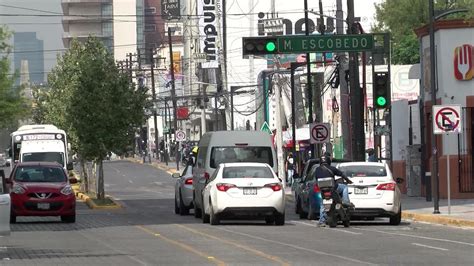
447,119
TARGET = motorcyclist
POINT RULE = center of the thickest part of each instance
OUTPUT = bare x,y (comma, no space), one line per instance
326,170
193,155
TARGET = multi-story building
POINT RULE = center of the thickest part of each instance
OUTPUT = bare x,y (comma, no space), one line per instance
115,22
28,47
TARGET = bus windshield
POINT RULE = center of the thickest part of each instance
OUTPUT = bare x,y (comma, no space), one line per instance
44,157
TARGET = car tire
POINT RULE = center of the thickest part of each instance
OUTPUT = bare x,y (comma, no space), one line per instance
311,214
205,217
213,218
68,218
280,219
269,220
12,218
176,207
397,218
302,214
197,211
183,210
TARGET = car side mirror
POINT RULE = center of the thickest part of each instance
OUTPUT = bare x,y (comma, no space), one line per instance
399,180
69,166
72,180
175,175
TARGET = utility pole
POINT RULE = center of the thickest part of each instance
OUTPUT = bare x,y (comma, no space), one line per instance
357,101
165,135
343,89
173,95
155,122
434,148
309,87
279,133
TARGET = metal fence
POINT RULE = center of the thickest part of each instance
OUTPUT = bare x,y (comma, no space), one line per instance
465,152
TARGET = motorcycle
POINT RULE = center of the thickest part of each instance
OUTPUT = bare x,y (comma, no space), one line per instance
332,202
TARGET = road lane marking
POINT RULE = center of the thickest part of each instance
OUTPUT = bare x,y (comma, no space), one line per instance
298,247
183,246
223,240
420,237
426,246
116,170
130,181
335,229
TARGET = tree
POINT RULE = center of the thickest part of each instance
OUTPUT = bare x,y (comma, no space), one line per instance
401,17
13,106
103,107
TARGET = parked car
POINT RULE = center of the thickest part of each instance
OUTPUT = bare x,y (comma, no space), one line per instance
244,190
374,192
41,189
183,190
5,206
226,147
307,193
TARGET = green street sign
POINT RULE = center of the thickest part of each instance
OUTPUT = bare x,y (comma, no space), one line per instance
325,43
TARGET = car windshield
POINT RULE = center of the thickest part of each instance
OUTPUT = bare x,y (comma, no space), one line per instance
241,154
363,170
39,174
44,157
247,172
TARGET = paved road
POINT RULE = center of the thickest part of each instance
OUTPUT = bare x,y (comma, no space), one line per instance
147,232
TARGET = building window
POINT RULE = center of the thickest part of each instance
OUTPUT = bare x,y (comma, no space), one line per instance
150,27
150,10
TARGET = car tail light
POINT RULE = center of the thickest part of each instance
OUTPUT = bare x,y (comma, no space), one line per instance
327,193
188,181
386,186
224,187
316,189
274,186
18,189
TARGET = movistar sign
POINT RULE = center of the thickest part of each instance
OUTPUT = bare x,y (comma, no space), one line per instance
325,43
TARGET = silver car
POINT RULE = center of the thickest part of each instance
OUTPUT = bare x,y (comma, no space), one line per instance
183,191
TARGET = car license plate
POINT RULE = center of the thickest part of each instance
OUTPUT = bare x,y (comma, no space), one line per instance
250,191
327,201
361,190
43,206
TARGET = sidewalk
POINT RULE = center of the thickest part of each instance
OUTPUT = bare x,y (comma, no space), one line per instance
413,208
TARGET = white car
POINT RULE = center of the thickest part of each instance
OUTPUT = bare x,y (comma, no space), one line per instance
374,192
244,190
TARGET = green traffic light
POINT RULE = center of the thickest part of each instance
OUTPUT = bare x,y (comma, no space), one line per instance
381,101
270,46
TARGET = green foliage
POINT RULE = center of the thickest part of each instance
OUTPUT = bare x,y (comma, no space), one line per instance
402,17
13,106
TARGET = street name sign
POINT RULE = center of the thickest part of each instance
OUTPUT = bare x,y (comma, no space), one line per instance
447,119
325,43
319,133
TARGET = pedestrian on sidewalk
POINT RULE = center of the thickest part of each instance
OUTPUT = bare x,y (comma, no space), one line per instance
290,169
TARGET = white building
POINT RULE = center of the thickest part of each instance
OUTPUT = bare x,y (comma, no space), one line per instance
115,22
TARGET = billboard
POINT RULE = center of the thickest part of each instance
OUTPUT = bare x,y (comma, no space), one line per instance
209,31
170,9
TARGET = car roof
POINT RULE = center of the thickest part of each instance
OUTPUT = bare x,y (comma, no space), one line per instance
245,164
362,163
51,164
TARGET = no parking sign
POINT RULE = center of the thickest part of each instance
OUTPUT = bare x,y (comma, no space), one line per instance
319,133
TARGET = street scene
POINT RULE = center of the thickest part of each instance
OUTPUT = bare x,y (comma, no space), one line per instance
225,132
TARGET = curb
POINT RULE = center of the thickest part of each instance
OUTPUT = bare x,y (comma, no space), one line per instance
437,219
90,203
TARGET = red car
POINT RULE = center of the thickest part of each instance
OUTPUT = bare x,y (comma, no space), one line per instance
41,189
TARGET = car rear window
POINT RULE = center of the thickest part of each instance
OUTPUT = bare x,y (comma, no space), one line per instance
247,172
363,170
241,154
39,174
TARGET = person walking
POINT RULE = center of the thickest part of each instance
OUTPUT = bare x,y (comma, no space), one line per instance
290,169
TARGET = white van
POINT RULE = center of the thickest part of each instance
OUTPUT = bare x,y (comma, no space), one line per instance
44,151
227,147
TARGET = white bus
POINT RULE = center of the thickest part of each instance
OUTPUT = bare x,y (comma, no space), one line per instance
33,143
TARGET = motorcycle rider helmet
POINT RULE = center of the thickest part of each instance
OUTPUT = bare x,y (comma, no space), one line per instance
325,159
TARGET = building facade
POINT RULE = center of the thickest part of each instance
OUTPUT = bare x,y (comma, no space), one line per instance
28,47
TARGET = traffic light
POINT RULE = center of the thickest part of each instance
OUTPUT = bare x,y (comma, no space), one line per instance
381,90
259,45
